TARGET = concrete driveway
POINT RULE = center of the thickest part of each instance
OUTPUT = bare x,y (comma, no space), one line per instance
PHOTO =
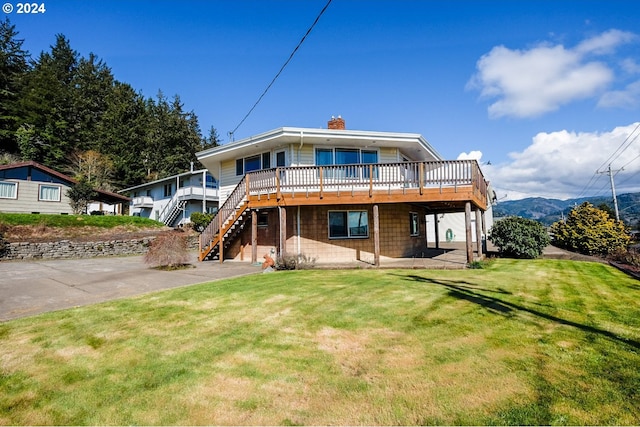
33,287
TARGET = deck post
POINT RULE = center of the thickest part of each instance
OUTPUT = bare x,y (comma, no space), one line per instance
283,231
435,221
254,236
467,226
376,236
221,239
478,233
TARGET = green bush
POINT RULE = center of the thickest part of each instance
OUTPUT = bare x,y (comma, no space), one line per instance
200,220
590,231
519,237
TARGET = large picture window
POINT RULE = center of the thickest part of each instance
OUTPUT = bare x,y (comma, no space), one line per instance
347,156
348,224
49,193
8,190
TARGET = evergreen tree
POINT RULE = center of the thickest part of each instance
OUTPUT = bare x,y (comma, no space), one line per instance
14,65
92,85
122,135
50,132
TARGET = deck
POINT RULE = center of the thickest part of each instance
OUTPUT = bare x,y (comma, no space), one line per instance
443,186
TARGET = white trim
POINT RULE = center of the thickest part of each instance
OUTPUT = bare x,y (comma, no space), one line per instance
57,186
15,189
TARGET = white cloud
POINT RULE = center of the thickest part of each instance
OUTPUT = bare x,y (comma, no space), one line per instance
563,165
628,97
529,83
472,155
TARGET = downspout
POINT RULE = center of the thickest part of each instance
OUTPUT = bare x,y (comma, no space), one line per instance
300,147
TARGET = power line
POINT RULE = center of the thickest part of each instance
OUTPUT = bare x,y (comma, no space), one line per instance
281,69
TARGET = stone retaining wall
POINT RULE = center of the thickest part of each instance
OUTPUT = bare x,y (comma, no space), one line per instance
68,249
64,249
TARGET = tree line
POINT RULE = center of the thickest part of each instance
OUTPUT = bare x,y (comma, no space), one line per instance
70,113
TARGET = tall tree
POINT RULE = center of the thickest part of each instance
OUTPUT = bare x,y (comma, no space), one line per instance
122,134
50,131
92,85
14,64
173,139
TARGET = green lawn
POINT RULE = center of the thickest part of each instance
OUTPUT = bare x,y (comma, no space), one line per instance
519,342
104,221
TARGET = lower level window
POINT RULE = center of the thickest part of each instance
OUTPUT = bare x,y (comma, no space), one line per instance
8,190
49,193
348,224
414,229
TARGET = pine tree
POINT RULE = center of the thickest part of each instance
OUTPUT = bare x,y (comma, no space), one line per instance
14,65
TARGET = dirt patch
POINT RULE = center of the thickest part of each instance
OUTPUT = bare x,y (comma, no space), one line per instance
42,233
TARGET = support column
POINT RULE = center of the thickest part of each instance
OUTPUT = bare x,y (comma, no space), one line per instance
283,231
478,233
254,236
467,227
376,236
435,221
484,232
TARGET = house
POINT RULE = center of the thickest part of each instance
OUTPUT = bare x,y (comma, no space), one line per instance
30,187
172,200
338,195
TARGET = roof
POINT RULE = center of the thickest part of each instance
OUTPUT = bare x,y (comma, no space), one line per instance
158,181
412,144
103,196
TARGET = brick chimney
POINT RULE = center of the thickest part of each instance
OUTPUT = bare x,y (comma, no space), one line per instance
336,123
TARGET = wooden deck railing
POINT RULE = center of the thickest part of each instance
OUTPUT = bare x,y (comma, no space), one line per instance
372,177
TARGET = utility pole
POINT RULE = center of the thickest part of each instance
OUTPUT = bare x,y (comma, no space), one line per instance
613,190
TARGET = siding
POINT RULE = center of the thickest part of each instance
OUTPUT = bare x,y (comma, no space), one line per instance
28,202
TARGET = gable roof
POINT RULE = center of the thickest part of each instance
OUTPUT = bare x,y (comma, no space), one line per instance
103,196
412,144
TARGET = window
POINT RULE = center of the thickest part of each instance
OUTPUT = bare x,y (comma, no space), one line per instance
414,228
280,159
348,224
49,193
8,190
263,219
347,156
167,190
253,163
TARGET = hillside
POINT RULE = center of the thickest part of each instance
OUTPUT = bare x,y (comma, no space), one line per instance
548,211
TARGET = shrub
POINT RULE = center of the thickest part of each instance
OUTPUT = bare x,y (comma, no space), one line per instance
626,256
168,250
200,220
80,195
590,231
519,237
295,262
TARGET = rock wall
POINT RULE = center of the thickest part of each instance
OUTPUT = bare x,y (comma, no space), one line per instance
68,249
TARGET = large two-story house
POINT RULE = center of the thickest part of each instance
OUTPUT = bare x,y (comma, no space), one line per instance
173,199
338,195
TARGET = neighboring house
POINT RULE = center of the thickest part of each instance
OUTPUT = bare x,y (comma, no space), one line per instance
338,195
30,187
172,200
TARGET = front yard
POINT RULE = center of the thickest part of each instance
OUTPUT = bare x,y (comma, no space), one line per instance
519,342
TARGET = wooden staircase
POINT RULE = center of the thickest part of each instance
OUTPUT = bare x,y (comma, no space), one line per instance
228,222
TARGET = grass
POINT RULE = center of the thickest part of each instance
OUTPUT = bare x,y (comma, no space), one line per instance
517,342
62,221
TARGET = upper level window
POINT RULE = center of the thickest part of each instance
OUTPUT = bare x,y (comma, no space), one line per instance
253,163
8,190
49,193
167,190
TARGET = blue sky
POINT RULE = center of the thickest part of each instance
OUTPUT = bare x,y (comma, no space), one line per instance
547,92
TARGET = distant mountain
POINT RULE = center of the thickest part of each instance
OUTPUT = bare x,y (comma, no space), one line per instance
548,211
